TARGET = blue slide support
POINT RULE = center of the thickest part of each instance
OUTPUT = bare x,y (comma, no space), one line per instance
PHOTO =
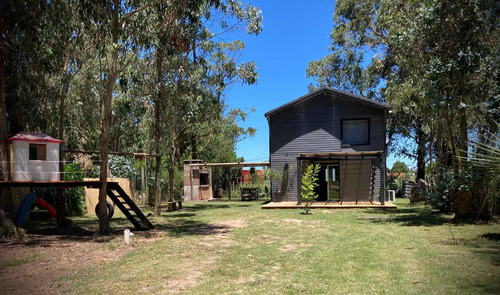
24,208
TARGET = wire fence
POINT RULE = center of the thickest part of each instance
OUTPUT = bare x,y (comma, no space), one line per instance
31,169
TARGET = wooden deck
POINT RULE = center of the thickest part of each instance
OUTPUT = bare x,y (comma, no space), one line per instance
329,205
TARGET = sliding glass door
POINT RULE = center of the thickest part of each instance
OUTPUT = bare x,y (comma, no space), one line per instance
333,175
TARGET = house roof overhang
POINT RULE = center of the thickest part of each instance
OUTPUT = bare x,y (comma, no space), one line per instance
330,91
341,155
34,137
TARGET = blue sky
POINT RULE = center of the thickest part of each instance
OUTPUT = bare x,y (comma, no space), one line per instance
295,33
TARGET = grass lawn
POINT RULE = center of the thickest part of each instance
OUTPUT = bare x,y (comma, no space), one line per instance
235,247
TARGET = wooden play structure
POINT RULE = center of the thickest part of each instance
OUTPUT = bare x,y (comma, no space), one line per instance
114,192
35,162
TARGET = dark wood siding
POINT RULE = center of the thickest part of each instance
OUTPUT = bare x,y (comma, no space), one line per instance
314,126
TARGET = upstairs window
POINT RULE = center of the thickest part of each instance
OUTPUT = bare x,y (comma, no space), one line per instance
38,152
356,132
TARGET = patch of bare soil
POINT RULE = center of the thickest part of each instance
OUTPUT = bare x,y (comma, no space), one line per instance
32,266
214,234
218,233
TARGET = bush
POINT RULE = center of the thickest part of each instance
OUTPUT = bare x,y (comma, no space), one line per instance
8,229
446,186
309,182
74,197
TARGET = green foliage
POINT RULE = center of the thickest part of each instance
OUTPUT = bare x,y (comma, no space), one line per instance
392,183
123,167
442,195
178,183
400,167
484,167
74,197
7,227
309,182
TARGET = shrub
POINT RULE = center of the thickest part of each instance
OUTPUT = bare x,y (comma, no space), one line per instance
309,182
446,186
75,197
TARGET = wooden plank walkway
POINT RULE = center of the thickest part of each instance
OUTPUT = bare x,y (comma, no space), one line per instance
329,205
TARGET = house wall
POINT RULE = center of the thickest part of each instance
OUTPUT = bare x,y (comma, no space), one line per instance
314,126
24,169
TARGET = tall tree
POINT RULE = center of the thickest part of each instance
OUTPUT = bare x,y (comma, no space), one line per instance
186,58
115,38
434,61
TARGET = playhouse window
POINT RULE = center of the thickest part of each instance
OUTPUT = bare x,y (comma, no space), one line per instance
38,152
204,179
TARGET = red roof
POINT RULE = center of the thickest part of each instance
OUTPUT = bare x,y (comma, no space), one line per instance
31,136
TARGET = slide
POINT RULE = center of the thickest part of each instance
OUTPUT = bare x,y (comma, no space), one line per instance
25,207
26,204
44,205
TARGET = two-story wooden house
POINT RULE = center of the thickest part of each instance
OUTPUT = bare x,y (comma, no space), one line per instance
344,133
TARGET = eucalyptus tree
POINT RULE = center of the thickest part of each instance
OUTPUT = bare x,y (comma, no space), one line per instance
116,26
28,64
435,62
185,41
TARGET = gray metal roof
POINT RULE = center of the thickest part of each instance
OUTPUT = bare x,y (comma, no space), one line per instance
331,91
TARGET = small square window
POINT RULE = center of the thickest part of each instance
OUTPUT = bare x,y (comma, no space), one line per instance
356,132
38,152
204,179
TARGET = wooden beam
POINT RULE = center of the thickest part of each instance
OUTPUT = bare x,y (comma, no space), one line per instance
233,165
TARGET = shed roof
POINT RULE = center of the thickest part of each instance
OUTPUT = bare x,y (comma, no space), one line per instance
34,137
331,91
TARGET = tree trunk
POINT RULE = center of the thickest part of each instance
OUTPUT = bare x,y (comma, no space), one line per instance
451,140
421,151
171,167
157,128
63,93
194,148
106,125
464,138
6,202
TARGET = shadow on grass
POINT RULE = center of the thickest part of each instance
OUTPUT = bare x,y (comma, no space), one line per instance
213,206
411,216
188,227
492,236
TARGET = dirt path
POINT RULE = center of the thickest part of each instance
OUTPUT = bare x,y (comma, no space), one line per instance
33,265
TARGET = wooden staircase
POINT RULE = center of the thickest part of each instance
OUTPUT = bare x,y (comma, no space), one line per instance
128,207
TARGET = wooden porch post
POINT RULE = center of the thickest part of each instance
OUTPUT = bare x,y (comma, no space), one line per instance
299,181
60,192
382,179
229,182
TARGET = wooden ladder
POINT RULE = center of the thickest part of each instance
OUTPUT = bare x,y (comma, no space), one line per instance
128,207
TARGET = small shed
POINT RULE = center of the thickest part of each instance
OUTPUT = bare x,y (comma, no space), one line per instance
197,181
34,157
